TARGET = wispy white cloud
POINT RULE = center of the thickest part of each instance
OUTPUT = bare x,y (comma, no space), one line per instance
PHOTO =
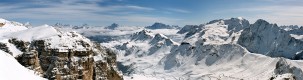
139,7
178,10
71,10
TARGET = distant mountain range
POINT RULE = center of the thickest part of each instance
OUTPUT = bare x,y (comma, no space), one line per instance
223,49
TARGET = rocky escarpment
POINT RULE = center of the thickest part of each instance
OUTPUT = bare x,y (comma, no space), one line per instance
4,48
106,70
65,56
268,39
284,70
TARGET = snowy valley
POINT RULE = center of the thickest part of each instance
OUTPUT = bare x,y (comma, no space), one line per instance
223,49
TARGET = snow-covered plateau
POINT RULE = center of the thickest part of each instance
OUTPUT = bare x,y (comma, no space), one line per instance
223,49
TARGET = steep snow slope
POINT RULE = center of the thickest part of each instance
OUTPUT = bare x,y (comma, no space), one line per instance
12,70
223,61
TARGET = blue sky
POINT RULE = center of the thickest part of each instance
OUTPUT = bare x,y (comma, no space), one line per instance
146,12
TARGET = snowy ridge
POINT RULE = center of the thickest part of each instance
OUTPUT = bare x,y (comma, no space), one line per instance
208,51
146,42
36,33
216,31
233,24
7,27
190,29
207,60
11,69
144,45
53,38
142,35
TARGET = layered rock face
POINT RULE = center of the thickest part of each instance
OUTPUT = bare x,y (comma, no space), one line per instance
63,55
106,70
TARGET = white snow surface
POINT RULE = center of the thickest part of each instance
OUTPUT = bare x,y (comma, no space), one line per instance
35,33
12,70
10,27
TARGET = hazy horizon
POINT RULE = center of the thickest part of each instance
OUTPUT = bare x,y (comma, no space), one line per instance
146,12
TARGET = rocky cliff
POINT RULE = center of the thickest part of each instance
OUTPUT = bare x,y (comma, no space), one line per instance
57,55
268,39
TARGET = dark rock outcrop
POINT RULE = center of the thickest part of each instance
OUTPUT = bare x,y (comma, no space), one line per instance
113,26
290,72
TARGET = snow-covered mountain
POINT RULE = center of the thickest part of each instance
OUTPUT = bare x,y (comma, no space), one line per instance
215,50
54,54
216,31
146,43
223,49
268,39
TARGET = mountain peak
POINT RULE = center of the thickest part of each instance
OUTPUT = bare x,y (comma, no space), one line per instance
142,35
241,18
261,21
158,25
238,19
189,28
112,26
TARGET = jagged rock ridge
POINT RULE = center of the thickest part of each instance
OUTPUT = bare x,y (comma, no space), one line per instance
268,39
